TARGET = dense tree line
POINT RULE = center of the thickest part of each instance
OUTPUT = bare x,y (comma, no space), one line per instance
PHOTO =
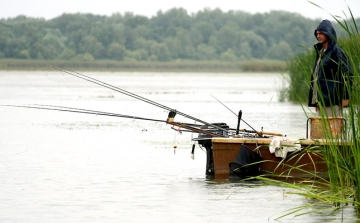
172,35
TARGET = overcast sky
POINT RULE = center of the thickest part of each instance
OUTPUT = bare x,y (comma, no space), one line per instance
49,9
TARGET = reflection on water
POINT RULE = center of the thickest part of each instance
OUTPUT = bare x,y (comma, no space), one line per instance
65,167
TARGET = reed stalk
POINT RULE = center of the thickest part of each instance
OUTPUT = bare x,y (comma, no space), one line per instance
342,186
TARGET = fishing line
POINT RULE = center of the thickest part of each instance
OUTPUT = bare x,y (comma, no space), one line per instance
175,142
103,84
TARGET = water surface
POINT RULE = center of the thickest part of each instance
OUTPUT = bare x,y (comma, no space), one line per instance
66,167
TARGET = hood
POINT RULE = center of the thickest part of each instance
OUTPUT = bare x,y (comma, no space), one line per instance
326,27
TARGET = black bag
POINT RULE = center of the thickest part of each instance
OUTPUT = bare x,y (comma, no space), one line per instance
246,156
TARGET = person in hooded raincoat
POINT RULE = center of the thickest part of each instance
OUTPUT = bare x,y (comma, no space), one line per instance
331,77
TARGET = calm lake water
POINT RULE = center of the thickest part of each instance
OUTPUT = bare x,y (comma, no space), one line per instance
67,167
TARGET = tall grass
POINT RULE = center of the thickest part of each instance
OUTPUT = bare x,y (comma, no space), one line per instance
342,154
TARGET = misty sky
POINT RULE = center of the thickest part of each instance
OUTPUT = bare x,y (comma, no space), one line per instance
52,8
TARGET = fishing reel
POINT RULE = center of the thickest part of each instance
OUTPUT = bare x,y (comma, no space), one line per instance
171,116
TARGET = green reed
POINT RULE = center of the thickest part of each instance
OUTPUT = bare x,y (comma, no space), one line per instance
344,161
342,152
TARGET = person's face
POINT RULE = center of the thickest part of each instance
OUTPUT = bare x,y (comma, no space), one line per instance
322,38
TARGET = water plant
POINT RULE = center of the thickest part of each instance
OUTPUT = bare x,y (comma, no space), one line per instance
342,151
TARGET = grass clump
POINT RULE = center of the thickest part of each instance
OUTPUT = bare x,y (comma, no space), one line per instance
342,153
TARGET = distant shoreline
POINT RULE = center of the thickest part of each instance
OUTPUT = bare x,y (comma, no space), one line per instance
147,66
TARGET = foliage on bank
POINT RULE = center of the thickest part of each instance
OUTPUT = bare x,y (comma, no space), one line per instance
146,66
208,35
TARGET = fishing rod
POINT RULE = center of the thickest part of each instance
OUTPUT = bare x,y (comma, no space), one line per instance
91,112
239,116
189,126
224,105
122,91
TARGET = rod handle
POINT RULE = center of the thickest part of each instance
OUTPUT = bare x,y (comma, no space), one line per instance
238,124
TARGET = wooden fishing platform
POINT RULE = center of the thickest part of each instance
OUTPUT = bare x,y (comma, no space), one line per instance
249,154
306,164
